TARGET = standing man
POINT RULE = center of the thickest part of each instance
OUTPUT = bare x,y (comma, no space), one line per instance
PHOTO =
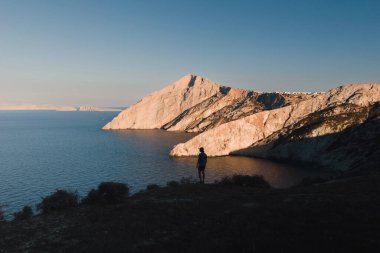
201,165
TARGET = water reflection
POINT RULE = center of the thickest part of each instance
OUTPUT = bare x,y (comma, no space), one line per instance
154,146
276,174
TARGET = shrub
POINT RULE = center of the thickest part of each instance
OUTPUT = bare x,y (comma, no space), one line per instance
24,214
246,180
108,193
311,181
151,187
2,217
187,180
59,200
172,184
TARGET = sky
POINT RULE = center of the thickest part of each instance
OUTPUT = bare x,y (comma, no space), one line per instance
112,53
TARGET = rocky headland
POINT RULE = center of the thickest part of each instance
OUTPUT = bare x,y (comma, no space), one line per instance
196,104
325,129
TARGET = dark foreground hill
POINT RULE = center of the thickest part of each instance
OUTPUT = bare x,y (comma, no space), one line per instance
341,215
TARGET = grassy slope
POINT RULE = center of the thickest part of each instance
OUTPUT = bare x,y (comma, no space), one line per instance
338,216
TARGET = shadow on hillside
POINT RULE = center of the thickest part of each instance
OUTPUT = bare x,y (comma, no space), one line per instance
351,148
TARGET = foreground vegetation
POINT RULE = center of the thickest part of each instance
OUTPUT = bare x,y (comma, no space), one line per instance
238,214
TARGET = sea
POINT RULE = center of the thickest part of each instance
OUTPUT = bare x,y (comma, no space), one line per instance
41,151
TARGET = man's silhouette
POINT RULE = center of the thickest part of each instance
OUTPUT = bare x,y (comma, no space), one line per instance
201,165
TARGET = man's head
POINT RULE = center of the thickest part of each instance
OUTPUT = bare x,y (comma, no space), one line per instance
202,150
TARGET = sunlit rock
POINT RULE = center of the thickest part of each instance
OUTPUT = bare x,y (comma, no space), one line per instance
247,132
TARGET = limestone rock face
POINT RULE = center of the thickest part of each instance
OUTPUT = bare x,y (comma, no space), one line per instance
345,107
301,127
163,106
338,138
231,105
195,104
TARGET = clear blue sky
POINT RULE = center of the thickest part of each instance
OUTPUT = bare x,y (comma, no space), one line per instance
111,53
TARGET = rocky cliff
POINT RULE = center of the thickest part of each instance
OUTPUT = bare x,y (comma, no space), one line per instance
306,131
302,127
231,105
340,137
196,104
163,106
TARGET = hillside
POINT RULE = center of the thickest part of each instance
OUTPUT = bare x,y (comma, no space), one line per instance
196,104
301,132
337,216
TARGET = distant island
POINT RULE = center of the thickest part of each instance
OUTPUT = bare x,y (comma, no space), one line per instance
31,107
98,109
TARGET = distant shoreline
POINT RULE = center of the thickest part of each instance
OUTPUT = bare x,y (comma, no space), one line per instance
62,108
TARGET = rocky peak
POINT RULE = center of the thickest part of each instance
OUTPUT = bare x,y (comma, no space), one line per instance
195,104
163,106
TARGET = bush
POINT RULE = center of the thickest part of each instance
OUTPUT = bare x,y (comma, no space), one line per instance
151,187
172,184
2,217
108,193
58,201
311,181
245,180
24,214
187,180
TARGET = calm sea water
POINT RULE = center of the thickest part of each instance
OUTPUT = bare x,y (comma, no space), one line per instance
41,151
